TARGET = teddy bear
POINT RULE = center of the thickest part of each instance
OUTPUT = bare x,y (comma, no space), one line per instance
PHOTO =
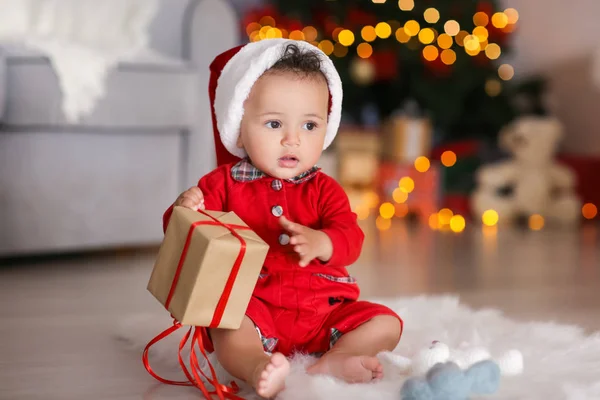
532,182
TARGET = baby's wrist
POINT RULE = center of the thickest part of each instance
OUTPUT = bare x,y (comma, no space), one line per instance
327,248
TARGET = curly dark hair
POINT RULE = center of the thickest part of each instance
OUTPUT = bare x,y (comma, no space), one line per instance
302,62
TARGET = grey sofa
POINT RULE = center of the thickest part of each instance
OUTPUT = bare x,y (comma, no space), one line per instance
104,182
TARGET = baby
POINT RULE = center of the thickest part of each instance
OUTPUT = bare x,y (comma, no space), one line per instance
277,106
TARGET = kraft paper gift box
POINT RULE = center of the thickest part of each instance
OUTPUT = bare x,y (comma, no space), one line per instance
358,157
202,275
406,138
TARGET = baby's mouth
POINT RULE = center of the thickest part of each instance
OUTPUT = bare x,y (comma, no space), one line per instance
288,161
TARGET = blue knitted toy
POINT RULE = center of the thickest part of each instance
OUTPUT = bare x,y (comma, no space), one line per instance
446,381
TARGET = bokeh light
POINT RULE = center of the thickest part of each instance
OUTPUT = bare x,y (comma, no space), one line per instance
481,34
422,164
452,27
457,223
346,37
383,224
368,33
536,222
481,19
310,33
499,20
434,222
589,211
402,36
399,196
326,46
506,72
445,41
340,50
460,37
493,51
448,57
444,216
412,27
401,210
383,30
387,210
426,36
364,50
493,87
490,218
431,15
512,15
296,35
448,158
336,33
251,27
406,5
406,184
371,199
362,212
430,53
267,20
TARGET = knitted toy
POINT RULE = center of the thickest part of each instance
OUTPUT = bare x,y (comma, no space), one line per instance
446,381
510,363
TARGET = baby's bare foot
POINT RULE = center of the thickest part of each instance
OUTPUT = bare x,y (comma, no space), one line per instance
350,368
270,377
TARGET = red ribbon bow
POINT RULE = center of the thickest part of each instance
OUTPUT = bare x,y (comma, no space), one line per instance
194,378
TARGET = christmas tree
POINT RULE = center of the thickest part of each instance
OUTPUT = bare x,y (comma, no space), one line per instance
444,54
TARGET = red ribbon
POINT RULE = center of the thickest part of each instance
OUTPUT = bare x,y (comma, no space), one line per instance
194,378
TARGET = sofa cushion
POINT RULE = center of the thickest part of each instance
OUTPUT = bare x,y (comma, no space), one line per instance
150,91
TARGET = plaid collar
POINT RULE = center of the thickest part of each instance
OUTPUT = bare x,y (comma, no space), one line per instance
244,171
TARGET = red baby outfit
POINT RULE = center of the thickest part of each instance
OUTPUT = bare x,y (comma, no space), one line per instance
295,309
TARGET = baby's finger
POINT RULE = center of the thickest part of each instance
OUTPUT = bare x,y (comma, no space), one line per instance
291,226
301,249
189,203
195,197
298,239
305,260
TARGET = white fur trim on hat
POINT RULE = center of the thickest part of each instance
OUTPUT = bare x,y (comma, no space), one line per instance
243,70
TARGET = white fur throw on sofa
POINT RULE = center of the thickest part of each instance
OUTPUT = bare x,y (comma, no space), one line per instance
83,39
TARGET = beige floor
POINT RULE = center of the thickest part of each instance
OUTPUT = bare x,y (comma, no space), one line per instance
58,315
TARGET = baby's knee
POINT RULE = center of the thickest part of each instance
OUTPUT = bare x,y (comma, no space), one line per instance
388,328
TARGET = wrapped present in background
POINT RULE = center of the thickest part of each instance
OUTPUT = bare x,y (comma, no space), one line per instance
406,136
207,267
357,157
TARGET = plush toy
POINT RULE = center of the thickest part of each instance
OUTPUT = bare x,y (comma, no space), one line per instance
510,362
532,182
447,381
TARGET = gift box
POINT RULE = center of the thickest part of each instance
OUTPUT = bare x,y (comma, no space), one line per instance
358,157
207,267
405,138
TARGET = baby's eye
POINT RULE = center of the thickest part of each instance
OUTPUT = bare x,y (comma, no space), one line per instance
273,124
309,126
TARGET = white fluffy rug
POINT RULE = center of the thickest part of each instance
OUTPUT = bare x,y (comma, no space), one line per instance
560,362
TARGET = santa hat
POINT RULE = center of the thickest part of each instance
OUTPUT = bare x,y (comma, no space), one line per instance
232,75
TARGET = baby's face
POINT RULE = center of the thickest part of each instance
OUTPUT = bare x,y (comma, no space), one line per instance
284,123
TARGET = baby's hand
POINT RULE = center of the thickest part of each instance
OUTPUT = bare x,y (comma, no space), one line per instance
307,242
191,198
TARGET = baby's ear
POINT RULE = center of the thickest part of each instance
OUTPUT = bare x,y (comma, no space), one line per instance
239,142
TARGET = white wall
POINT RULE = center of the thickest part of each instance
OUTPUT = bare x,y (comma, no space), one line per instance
558,38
